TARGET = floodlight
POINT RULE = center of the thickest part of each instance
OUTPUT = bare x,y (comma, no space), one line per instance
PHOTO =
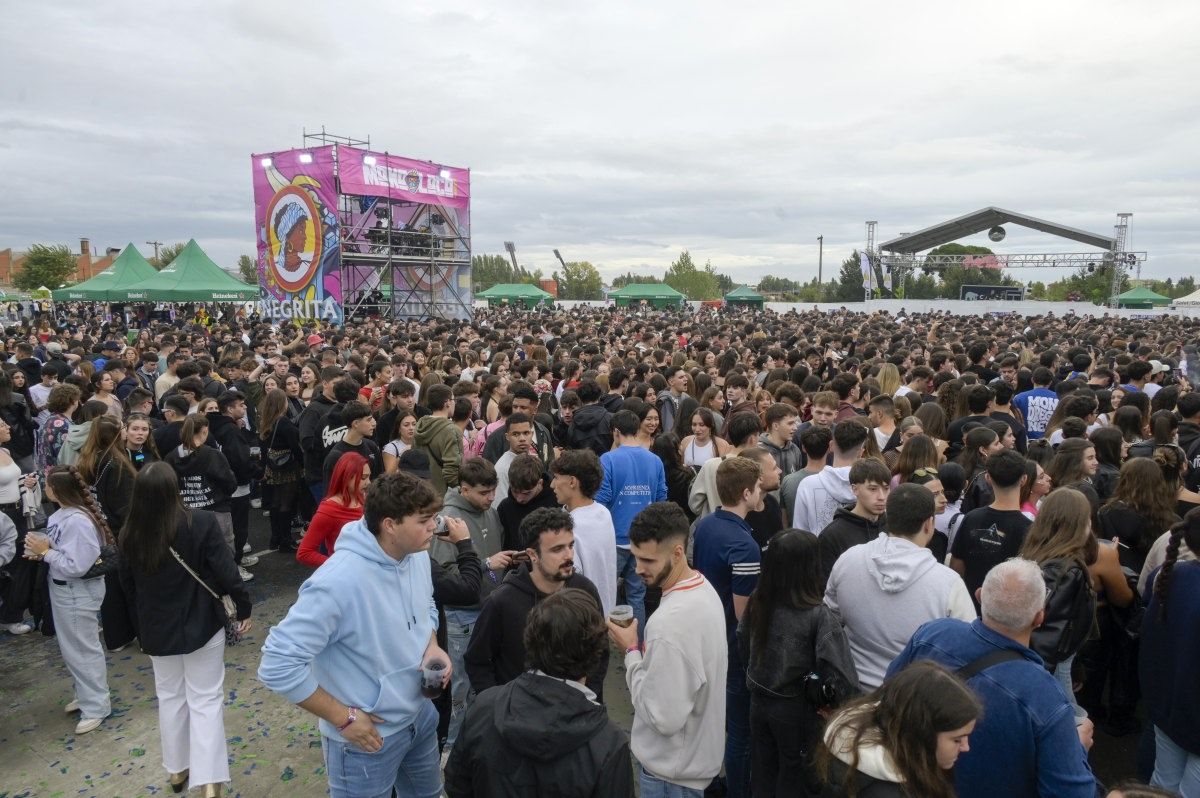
305,157
265,163
445,173
369,160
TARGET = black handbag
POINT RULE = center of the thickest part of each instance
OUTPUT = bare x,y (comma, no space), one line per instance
109,561
278,459
232,635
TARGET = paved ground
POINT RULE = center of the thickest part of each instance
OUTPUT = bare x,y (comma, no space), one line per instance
274,747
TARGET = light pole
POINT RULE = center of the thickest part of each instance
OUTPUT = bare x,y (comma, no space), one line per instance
820,259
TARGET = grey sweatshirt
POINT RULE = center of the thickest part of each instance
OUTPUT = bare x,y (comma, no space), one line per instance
883,591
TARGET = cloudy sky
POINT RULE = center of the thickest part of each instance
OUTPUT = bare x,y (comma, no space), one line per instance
619,132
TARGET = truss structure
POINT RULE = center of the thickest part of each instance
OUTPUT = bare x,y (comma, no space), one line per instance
1054,260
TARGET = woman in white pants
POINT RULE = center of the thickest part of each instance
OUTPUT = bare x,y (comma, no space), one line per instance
70,548
166,555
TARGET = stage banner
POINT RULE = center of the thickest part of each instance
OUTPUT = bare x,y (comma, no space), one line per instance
296,225
375,174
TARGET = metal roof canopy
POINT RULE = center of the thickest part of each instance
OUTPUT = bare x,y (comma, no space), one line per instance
985,219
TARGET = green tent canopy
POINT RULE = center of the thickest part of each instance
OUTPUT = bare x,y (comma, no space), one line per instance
191,277
523,294
1141,298
744,296
128,271
658,295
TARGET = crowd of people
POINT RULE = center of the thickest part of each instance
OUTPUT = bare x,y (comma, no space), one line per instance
838,554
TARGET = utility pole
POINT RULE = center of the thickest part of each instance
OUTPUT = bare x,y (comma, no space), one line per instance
156,245
820,259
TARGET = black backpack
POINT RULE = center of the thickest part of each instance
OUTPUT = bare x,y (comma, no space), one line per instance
1070,612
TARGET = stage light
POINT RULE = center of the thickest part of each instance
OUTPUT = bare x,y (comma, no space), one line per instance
445,173
305,157
997,233
265,163
1091,267
369,160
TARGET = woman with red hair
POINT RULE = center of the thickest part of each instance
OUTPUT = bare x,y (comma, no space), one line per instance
342,504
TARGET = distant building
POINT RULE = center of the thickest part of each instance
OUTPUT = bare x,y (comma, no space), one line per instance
87,263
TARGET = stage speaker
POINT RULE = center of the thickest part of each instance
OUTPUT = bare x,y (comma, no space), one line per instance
997,233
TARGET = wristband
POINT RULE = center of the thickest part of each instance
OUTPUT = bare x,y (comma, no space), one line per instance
632,649
352,716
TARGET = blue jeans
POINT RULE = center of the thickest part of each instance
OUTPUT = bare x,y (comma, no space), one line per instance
76,607
1175,768
459,624
408,762
1062,672
651,787
635,588
737,730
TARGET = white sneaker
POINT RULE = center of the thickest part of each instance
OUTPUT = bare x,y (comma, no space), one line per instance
249,561
246,575
246,548
86,725
72,707
19,628
256,504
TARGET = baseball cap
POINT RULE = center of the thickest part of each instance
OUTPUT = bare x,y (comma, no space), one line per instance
1158,367
110,346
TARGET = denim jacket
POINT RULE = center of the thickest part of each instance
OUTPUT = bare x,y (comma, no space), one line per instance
1026,742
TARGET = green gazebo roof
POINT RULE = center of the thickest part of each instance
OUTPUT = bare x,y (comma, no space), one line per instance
515,291
647,291
744,292
192,277
128,271
1142,294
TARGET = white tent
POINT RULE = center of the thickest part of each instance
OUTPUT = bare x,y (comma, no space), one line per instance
1191,299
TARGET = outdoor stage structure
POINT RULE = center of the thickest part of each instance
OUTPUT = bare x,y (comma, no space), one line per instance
347,232
894,260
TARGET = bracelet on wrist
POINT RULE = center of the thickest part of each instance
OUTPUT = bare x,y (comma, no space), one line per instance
351,716
633,648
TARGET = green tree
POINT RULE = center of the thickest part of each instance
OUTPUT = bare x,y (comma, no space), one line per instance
1094,286
44,265
1037,290
247,271
168,254
921,286
850,281
696,284
629,277
579,280
955,277
779,285
489,270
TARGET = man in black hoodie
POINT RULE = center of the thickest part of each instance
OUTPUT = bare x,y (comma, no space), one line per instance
591,424
1189,435
312,422
227,428
870,480
496,653
615,398
545,731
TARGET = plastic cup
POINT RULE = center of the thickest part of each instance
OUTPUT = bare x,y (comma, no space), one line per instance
431,679
621,615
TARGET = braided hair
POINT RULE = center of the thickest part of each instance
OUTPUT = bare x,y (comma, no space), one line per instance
1187,531
72,490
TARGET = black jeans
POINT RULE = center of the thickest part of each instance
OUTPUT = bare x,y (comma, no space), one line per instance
783,740
18,577
239,512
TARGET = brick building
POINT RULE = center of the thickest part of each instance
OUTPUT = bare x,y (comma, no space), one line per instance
87,263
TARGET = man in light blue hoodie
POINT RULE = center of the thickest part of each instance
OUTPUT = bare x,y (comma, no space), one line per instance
352,648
